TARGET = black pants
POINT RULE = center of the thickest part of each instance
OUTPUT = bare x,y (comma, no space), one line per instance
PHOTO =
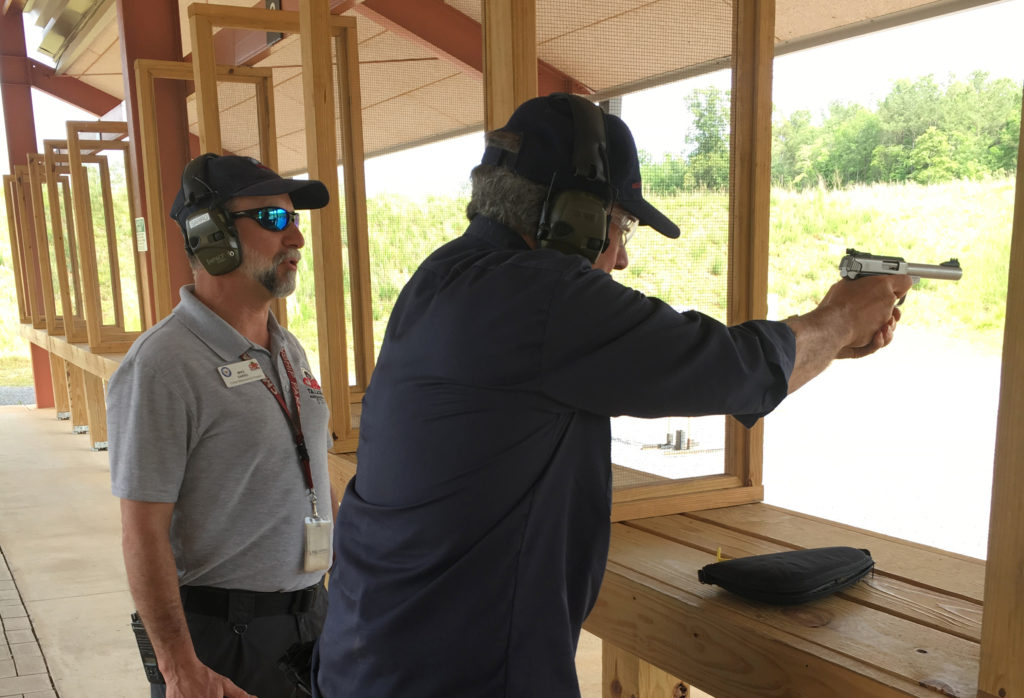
246,649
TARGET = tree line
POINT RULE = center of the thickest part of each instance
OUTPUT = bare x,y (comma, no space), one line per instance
922,131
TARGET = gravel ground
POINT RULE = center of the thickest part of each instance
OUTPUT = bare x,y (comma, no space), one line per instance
10,395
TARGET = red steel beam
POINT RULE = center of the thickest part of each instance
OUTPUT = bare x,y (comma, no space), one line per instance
20,131
71,90
454,37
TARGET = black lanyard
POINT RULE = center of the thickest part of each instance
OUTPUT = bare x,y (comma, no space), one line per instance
294,422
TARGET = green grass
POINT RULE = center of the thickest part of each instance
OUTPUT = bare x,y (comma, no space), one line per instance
810,230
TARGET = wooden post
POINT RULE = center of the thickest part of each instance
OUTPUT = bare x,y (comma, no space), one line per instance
96,410
750,190
510,57
624,675
321,157
1002,629
207,101
356,224
76,385
61,398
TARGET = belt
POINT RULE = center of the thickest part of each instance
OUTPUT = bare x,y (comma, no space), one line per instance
217,602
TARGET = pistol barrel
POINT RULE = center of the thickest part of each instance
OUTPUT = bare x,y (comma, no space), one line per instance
947,271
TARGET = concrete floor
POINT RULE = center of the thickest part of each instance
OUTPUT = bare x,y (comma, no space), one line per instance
60,534
65,603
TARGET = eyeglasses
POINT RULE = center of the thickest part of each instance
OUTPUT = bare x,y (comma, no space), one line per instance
273,218
626,222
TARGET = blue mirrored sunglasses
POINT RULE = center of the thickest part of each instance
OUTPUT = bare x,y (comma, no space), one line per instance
272,218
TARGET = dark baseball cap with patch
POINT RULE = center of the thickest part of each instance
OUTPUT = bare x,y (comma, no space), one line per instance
226,176
545,155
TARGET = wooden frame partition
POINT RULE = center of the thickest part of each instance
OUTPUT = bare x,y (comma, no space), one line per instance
58,188
27,240
45,224
147,71
17,257
320,32
749,201
102,337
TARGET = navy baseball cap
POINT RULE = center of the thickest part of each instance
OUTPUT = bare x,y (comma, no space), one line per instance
545,156
228,176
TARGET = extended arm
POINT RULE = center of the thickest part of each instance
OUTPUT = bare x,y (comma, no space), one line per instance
153,580
856,318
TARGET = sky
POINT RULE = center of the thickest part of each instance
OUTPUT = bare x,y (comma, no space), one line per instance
860,70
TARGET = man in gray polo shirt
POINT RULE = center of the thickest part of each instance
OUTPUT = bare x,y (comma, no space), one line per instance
218,434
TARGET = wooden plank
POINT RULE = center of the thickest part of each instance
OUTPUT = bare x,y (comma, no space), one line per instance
76,387
96,410
246,18
661,486
1002,671
743,648
99,364
694,501
725,658
922,565
749,201
938,610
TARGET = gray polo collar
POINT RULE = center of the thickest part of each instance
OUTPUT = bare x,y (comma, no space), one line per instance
214,332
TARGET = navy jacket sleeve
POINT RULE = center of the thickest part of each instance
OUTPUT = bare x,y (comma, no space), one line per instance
612,350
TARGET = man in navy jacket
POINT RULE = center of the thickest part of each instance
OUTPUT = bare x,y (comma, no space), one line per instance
475,534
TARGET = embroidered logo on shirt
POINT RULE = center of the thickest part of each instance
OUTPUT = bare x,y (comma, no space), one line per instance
312,387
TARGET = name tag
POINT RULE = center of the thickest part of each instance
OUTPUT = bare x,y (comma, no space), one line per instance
240,373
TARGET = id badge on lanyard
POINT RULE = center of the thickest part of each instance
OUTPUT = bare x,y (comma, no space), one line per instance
318,531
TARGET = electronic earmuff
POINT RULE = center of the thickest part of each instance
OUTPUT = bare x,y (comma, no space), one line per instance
575,221
210,233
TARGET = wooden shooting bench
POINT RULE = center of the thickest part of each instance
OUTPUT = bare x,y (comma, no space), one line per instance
912,628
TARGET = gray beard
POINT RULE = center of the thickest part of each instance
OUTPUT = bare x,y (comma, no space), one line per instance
265,271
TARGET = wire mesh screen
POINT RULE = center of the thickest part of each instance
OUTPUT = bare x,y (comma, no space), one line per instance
417,187
682,131
239,124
